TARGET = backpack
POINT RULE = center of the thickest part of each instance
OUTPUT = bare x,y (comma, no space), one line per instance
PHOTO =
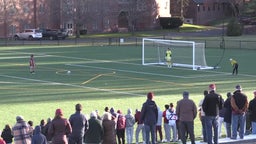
121,122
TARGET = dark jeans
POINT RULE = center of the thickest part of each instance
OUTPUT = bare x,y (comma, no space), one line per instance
75,140
120,136
187,127
159,130
212,123
150,129
203,122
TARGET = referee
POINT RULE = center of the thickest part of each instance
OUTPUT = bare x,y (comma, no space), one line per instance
234,65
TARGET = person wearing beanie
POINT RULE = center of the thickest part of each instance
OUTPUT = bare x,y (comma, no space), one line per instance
79,126
239,104
252,110
21,131
212,104
149,115
94,134
60,128
186,111
228,114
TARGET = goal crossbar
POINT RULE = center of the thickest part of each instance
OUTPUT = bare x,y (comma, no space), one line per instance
184,53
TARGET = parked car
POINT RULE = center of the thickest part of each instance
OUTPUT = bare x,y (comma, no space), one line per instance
52,34
29,34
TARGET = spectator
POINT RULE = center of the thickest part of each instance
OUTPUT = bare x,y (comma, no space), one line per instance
108,124
227,115
129,126
252,110
7,134
120,128
45,130
149,115
239,104
202,117
167,127
186,111
106,109
98,115
212,104
221,119
172,118
21,131
60,128
94,134
42,124
159,124
140,126
2,140
38,137
31,128
78,122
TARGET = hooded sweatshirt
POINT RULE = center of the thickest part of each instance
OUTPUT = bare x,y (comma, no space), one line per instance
38,137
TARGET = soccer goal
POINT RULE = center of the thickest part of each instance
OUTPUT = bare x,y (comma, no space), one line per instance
184,53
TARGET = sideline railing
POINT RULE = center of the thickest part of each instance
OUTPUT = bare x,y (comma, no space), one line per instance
118,41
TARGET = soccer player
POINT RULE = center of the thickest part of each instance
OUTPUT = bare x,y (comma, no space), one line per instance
168,57
32,64
234,65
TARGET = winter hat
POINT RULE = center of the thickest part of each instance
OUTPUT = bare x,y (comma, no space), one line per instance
212,87
19,118
185,94
93,114
59,112
238,87
150,95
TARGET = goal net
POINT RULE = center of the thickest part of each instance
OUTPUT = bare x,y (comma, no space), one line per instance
184,53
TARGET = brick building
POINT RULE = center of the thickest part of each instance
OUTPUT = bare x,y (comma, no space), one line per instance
96,16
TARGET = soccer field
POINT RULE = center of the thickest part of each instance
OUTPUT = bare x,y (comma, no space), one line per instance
110,76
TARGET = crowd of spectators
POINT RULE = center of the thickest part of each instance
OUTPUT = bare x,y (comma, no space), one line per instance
238,114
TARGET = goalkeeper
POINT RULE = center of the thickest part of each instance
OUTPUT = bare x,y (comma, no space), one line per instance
168,57
234,65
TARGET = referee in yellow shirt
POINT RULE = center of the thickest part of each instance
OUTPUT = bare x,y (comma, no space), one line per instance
234,65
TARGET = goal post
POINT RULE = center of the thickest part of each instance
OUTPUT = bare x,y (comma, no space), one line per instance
184,53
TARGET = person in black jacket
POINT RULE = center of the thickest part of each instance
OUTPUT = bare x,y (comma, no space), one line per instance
79,126
252,110
7,134
227,114
239,103
149,115
213,102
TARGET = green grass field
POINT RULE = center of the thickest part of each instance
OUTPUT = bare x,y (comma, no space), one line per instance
106,76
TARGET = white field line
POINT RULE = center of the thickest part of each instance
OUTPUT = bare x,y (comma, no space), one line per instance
213,73
70,85
147,73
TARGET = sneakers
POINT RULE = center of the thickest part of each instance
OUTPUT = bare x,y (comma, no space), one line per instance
164,140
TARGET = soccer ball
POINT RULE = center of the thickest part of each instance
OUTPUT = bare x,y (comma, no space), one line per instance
68,72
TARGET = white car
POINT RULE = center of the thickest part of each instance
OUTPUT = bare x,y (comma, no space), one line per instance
29,34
